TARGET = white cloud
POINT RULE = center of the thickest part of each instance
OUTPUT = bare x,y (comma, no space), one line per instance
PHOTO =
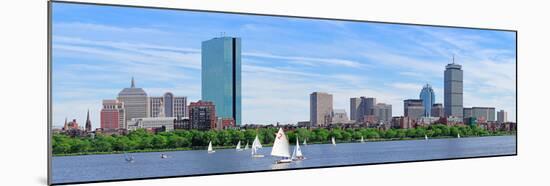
309,60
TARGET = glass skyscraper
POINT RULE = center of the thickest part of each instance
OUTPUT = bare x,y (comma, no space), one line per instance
221,76
427,96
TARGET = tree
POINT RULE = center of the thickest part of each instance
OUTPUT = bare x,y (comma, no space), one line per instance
61,148
158,142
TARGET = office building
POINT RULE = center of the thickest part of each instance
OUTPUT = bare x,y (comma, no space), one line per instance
413,108
484,113
382,113
467,112
438,110
365,107
402,122
339,116
502,116
202,115
481,114
354,104
320,109
174,106
112,114
453,90
221,76
182,123
427,96
159,123
135,103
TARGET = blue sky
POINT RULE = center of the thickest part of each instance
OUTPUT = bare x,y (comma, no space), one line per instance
97,49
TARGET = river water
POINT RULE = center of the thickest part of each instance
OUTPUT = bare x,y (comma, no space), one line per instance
111,167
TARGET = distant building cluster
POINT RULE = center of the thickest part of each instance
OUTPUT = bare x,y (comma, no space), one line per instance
366,112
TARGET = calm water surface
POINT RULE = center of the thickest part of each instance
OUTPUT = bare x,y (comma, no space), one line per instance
109,167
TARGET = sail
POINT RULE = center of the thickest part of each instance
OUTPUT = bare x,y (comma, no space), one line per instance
254,149
305,143
238,145
246,146
257,142
297,150
458,135
280,146
362,139
210,146
425,136
333,141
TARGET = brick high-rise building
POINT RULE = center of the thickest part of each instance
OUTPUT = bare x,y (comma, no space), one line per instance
112,114
202,115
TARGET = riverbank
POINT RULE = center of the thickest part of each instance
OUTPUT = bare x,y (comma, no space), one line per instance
265,145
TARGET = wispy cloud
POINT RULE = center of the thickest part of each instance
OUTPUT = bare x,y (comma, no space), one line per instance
309,60
282,64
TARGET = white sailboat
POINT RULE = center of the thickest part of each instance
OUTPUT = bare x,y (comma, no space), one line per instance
210,150
362,139
238,148
458,135
280,147
297,153
246,146
255,146
333,141
305,141
425,137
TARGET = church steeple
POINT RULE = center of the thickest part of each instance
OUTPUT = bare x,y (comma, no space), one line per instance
133,84
88,122
65,127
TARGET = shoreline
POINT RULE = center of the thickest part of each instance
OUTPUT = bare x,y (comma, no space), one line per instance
265,145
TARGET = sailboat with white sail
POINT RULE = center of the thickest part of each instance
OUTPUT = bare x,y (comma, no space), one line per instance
255,146
238,148
425,137
280,147
210,150
362,139
246,146
458,135
333,141
305,142
297,153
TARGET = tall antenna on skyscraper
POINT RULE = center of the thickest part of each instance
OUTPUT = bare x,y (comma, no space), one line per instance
453,58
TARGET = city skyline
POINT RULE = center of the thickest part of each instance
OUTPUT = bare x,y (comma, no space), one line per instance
282,64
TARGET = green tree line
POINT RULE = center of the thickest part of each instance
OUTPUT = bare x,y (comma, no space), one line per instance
141,140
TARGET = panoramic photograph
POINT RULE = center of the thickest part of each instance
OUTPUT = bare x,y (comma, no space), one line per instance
151,93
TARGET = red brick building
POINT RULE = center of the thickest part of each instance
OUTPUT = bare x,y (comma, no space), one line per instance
202,115
112,114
